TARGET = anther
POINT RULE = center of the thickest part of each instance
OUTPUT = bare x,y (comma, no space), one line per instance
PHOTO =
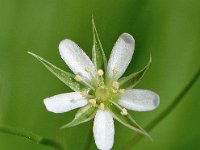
115,70
114,91
78,78
115,85
101,106
92,101
124,112
100,72
84,93
88,69
121,91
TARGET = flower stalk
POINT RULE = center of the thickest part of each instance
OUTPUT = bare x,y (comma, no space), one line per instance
31,136
88,138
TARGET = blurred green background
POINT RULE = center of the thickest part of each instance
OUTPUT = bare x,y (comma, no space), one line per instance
169,29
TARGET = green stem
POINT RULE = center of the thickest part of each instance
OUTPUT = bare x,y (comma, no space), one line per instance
30,136
88,139
165,113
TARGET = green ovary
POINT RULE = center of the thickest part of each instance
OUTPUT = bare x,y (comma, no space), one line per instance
104,94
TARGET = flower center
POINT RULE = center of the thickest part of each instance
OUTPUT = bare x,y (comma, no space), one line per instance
102,93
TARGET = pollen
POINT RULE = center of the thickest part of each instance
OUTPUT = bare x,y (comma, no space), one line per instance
121,91
84,93
101,106
115,85
92,101
100,72
124,112
114,91
78,78
115,70
88,69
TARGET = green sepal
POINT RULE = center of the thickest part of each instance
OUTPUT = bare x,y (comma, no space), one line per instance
133,79
98,55
65,77
84,114
126,120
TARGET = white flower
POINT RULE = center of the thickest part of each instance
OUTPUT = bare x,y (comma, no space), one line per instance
105,87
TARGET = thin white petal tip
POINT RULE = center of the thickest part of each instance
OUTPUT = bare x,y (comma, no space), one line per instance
139,100
128,38
121,56
63,42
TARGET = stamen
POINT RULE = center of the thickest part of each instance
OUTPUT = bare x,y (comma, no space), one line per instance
115,70
78,78
115,85
101,106
88,69
100,78
124,112
100,72
84,93
83,80
92,101
121,91
114,91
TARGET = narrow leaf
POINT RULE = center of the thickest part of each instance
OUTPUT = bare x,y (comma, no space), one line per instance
65,77
126,120
98,55
133,79
83,115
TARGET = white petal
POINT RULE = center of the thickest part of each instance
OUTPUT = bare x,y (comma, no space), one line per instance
121,55
139,100
76,58
104,130
65,102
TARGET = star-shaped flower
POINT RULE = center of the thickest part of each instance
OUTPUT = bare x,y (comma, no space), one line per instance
100,92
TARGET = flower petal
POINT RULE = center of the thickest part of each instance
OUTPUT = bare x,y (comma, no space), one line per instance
65,102
76,58
139,100
104,130
121,55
